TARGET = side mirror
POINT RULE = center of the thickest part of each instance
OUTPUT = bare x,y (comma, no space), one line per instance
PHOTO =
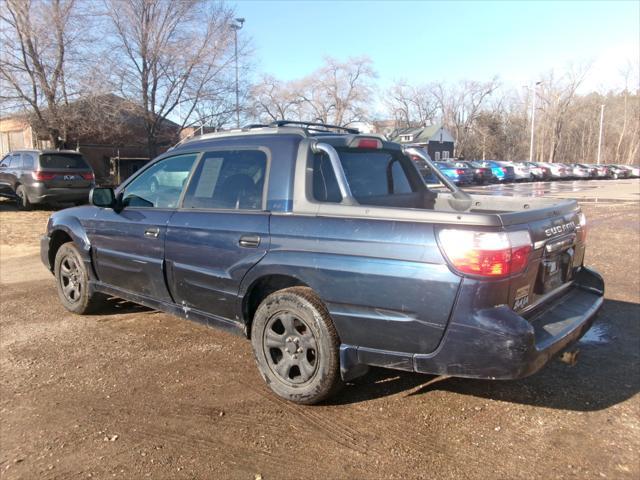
102,197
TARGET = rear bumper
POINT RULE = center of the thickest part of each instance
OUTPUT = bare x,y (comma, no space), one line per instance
496,343
38,193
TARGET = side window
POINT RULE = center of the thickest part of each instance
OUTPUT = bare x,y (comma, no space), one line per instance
28,161
5,161
16,161
231,179
160,185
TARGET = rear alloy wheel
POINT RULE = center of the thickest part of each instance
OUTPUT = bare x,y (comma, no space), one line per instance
296,346
72,281
22,200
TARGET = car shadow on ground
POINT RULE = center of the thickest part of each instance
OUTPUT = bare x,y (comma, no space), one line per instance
605,373
118,306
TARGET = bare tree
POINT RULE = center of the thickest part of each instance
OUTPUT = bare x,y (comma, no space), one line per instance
461,104
169,55
39,67
340,93
410,105
557,94
273,99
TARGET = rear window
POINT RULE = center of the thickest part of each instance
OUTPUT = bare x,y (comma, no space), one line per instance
368,173
62,161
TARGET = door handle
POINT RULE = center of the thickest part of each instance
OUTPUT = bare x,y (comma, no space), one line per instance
152,232
249,241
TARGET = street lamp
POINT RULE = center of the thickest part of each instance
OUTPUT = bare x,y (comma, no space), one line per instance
600,132
533,119
237,26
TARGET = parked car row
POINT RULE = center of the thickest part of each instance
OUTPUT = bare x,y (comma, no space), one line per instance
480,172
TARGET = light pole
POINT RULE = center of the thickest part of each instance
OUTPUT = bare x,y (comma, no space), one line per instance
533,119
600,133
237,26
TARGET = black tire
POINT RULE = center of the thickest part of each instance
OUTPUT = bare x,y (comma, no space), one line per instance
22,200
72,282
296,346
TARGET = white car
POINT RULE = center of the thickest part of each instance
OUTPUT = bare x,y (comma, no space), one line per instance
521,170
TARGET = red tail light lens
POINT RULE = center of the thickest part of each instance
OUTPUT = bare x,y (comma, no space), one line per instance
504,170
43,176
89,176
582,230
486,254
459,171
369,143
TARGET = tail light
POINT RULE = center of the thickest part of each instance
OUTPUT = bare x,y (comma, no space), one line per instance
89,176
486,254
460,171
43,176
582,231
504,170
375,143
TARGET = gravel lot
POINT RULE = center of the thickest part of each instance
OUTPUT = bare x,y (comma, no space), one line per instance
133,393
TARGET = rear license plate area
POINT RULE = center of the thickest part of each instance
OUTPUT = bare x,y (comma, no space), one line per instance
557,265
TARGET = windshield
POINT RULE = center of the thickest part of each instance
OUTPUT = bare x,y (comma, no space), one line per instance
62,161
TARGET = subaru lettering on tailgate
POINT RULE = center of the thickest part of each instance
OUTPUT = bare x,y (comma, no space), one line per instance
567,227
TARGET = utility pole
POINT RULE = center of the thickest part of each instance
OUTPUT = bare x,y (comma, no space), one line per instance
533,119
237,26
600,133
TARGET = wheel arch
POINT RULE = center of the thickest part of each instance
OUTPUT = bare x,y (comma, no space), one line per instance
260,289
57,239
64,229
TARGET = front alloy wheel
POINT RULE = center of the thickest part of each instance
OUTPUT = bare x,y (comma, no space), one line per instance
72,281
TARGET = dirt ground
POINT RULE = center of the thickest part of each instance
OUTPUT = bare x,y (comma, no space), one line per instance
133,393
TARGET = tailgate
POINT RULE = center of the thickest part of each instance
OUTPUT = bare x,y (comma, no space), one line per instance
557,255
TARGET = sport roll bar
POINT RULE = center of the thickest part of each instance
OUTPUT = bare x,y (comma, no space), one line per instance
455,191
334,158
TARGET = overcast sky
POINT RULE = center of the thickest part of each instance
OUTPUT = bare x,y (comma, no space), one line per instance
433,41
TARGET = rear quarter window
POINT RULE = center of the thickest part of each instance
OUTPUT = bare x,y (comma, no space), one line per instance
62,161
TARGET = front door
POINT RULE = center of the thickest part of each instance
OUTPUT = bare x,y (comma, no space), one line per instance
128,246
220,232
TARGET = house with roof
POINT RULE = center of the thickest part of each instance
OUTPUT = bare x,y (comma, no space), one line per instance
436,139
108,130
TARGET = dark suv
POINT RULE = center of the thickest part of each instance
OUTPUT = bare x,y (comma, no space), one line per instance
45,176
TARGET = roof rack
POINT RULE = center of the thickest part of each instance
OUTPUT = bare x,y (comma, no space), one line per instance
317,127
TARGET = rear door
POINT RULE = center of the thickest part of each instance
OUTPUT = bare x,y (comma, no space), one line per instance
220,232
128,246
